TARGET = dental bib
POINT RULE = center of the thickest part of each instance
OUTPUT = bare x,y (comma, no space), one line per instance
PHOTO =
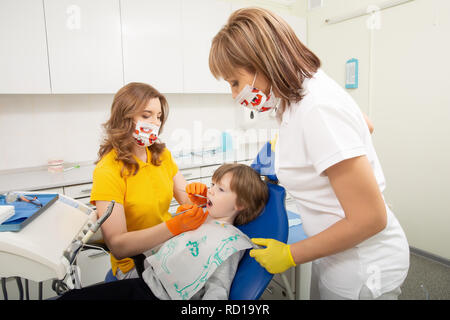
184,263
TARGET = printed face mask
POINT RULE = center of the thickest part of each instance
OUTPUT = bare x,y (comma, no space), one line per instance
253,98
145,133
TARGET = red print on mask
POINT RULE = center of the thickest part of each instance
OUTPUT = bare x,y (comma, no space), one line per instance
152,138
145,129
257,100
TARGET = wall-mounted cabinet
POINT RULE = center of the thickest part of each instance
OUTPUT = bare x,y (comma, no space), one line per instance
166,43
198,32
84,45
152,46
23,47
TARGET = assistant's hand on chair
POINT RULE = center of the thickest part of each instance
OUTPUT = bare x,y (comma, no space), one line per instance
275,258
190,220
195,188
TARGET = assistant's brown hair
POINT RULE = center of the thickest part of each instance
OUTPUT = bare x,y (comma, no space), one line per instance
251,192
260,41
128,102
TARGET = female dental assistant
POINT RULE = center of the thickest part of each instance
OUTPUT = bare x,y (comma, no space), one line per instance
324,157
137,171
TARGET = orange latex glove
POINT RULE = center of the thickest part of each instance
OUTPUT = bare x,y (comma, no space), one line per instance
197,188
189,220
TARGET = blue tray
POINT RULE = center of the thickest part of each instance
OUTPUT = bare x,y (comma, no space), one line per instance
26,212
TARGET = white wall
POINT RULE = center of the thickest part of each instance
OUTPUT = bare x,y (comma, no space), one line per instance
34,128
404,68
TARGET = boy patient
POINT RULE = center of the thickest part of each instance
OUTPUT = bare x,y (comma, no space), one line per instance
237,196
197,264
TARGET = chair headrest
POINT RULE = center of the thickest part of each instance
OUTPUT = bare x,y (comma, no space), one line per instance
251,279
264,163
272,222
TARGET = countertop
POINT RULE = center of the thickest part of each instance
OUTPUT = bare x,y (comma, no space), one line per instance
38,178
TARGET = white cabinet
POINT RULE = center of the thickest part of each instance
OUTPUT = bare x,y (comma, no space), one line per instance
298,25
152,43
202,20
84,44
78,191
191,174
23,47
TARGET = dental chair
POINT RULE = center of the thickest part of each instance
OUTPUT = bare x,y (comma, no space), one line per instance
251,278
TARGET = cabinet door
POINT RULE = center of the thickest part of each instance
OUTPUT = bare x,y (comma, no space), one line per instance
152,46
23,47
299,26
84,43
202,20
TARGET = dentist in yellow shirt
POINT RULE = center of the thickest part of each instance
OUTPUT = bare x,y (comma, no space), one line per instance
137,171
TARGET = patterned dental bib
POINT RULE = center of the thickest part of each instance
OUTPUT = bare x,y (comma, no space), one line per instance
184,263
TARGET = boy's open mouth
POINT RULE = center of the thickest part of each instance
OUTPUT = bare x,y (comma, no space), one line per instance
209,204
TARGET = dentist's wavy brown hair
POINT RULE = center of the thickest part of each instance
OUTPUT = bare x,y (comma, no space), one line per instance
129,102
260,41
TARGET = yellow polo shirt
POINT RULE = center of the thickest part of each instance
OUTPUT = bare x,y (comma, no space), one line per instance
145,196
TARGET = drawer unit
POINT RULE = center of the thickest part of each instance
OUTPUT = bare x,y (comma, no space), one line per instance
78,191
52,190
206,181
86,201
208,171
247,162
191,174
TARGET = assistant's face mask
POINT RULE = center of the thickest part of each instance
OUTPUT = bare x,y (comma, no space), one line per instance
146,133
253,98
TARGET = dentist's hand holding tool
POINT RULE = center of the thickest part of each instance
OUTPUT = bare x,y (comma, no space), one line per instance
189,220
197,193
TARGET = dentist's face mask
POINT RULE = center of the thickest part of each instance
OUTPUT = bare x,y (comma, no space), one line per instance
253,98
146,134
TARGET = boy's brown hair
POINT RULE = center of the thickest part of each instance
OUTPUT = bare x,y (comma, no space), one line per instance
251,192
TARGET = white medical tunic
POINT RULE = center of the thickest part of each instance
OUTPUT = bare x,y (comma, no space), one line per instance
323,129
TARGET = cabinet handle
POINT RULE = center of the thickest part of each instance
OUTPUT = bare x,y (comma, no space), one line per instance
86,190
188,174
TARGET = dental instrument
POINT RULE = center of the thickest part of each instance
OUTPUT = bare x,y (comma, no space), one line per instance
14,196
77,166
177,214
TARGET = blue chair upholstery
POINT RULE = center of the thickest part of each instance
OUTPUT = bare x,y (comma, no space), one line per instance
110,277
251,279
264,163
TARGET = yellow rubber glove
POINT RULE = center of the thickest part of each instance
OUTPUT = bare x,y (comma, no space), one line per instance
275,258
